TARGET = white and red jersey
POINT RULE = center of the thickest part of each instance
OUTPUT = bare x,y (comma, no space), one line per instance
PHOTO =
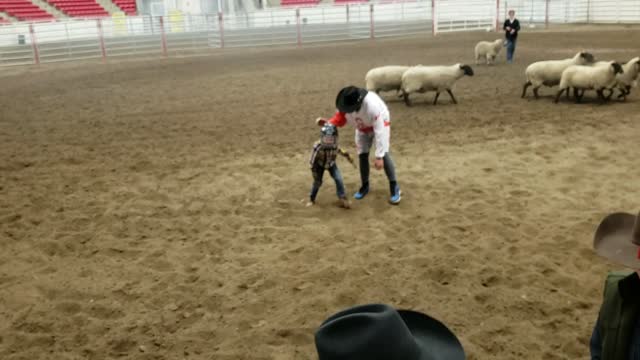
373,116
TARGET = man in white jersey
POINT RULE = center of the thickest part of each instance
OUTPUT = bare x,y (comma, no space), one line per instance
368,113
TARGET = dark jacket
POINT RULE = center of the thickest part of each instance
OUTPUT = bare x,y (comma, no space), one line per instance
515,25
616,335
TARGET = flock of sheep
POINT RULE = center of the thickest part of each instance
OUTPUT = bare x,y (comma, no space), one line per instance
579,73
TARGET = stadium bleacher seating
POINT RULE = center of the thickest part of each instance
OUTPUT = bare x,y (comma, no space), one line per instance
79,8
299,2
128,6
4,21
24,10
342,2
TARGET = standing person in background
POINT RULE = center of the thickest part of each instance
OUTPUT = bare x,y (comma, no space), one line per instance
511,27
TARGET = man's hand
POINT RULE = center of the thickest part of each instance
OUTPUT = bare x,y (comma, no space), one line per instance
508,28
321,121
379,163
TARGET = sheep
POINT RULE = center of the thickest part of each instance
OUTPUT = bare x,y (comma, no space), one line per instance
421,79
488,50
385,78
625,81
581,77
549,72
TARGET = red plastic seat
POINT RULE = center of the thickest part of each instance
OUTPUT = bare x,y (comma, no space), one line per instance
80,8
24,10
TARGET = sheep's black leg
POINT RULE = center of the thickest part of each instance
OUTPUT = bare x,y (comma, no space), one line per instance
601,96
608,97
405,95
453,98
535,93
524,88
436,98
624,92
578,95
558,95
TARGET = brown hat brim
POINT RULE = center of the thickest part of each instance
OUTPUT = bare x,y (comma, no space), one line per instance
614,240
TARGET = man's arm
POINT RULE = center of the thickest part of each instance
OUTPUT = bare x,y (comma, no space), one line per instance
516,25
382,143
338,119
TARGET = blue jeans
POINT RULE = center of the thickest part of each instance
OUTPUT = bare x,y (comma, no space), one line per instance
318,171
511,48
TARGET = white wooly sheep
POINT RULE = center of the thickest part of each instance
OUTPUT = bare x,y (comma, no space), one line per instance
581,77
488,50
385,78
549,72
420,79
627,80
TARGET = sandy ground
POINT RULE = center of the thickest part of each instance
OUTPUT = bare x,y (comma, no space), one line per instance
153,210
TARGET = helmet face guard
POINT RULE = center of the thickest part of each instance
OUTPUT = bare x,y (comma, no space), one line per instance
329,135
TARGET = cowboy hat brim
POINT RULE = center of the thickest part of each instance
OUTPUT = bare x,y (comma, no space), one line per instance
435,340
614,240
341,101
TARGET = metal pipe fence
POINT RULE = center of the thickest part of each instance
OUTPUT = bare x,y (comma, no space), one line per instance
183,35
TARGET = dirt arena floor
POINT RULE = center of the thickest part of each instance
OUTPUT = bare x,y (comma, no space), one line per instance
154,209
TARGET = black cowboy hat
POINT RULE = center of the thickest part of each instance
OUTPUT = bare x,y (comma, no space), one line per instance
380,332
350,98
617,238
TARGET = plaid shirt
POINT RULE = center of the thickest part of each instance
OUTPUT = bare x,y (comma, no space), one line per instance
325,155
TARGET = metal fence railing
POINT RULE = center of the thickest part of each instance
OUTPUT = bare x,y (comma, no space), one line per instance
180,34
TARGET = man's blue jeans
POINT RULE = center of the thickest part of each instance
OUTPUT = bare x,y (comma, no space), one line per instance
511,48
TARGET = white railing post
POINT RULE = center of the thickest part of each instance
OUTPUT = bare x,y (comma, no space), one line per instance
371,25
497,24
221,28
434,21
298,33
34,45
101,38
546,14
347,7
163,37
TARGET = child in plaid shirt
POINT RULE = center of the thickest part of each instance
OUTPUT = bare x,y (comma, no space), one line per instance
323,157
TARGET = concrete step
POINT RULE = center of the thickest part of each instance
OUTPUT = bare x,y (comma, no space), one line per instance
109,6
6,16
50,9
